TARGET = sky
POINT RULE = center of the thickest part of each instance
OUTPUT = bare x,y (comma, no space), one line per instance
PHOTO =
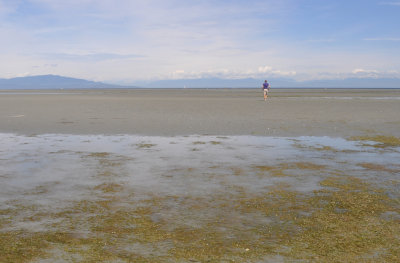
123,41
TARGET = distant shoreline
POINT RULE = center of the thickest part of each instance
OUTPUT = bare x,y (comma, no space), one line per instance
61,82
192,88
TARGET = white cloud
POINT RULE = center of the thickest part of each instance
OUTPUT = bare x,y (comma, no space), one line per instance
390,3
373,73
284,73
90,56
321,40
178,74
361,71
264,69
383,39
230,73
269,70
7,7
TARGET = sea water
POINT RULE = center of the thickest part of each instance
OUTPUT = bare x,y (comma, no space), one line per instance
68,165
135,190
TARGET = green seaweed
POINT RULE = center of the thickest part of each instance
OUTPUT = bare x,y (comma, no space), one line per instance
381,140
278,170
342,222
145,145
99,154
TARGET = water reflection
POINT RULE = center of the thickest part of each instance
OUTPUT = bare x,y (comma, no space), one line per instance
69,164
127,198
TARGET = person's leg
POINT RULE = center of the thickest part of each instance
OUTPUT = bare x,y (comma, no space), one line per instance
265,94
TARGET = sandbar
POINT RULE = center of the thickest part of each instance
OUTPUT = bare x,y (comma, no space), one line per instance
169,112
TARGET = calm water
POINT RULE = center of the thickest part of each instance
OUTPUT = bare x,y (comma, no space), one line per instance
125,197
68,165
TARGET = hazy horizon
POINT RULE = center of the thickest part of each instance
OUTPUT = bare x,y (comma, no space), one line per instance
64,82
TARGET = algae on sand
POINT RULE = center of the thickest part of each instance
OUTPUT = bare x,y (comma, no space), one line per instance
382,140
242,203
340,223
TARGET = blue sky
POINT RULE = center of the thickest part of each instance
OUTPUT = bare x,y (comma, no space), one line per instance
124,41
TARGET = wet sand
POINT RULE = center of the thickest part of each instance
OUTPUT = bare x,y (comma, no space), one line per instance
83,178
167,112
129,198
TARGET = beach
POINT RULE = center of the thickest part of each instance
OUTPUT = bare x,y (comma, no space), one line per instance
138,131
168,112
199,175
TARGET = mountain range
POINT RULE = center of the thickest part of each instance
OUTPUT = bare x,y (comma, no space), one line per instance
275,83
59,82
53,82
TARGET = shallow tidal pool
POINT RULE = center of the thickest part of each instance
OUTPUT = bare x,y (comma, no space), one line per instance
126,198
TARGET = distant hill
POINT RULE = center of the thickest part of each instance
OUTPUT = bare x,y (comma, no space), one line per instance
275,83
59,82
53,82
354,83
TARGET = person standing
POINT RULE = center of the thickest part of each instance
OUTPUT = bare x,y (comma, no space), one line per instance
266,87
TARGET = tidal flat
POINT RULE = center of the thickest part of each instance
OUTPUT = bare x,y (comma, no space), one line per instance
199,198
220,112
